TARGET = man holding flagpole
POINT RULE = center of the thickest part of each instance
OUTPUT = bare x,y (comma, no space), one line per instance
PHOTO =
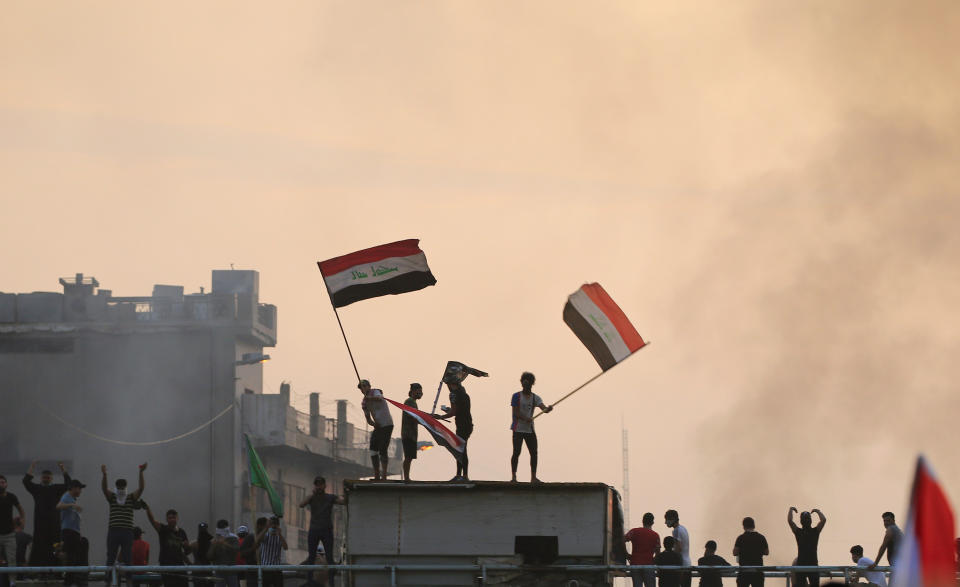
377,413
523,403
459,410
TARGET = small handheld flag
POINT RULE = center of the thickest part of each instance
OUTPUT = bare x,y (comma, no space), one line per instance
455,371
259,478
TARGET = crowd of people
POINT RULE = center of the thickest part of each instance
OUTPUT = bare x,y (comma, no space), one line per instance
57,538
749,548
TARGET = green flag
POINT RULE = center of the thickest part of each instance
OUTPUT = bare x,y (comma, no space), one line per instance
259,478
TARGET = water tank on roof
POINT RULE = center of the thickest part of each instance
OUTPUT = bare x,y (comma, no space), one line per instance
40,306
236,282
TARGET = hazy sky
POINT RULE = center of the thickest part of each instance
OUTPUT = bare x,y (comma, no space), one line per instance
768,189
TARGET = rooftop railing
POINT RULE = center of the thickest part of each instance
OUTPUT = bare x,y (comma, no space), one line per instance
151,573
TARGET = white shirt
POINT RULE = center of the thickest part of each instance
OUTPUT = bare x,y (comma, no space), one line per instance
374,403
876,577
525,410
680,533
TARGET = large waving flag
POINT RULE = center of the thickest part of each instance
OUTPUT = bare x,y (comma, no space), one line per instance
925,557
259,478
456,445
601,325
390,269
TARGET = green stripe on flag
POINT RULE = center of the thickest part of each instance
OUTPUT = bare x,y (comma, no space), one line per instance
259,478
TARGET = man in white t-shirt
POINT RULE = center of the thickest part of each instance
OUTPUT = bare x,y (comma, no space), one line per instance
377,413
523,403
873,577
682,538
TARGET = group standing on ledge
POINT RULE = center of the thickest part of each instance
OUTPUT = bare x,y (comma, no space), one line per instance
377,413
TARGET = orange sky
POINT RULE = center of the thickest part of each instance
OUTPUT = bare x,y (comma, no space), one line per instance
768,189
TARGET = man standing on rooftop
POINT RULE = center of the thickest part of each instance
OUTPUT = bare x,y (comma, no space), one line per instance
459,410
377,413
807,536
523,403
408,429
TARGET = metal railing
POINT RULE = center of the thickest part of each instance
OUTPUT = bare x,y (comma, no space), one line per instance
117,573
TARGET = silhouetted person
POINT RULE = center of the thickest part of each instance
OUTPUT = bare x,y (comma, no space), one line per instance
750,548
377,413
644,545
459,410
200,549
682,539
876,578
321,521
409,430
523,403
46,518
174,546
8,533
76,548
892,538
120,525
807,536
710,558
668,557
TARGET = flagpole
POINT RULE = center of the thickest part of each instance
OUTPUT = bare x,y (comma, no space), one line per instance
591,380
345,341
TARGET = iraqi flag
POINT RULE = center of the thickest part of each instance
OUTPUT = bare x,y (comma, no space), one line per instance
392,269
925,556
601,325
456,445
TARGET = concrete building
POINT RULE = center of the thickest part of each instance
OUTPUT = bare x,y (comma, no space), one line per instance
171,379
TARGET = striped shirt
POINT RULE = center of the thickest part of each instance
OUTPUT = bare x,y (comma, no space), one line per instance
121,514
270,550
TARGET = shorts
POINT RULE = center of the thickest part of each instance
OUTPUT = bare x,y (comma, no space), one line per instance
409,448
464,433
380,440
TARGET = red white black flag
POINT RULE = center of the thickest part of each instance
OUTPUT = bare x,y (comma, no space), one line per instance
440,433
601,325
390,269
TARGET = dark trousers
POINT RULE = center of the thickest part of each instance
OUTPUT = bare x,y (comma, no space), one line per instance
750,580
804,579
463,463
76,549
273,579
44,537
119,539
175,580
644,578
519,438
319,536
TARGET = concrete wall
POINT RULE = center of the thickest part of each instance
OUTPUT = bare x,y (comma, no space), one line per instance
139,386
